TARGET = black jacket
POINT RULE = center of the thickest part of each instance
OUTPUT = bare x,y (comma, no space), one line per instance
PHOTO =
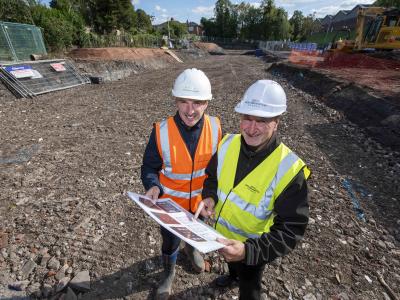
152,161
291,207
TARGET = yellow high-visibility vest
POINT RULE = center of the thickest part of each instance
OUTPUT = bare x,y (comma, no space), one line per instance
247,210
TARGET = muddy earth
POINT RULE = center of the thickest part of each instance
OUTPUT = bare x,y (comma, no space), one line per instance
67,159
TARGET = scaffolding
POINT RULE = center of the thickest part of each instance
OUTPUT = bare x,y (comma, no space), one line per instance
19,41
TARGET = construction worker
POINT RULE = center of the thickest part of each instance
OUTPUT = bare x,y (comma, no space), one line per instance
175,160
257,191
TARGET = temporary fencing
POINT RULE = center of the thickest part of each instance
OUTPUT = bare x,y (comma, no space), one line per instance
29,79
286,46
19,41
308,58
124,39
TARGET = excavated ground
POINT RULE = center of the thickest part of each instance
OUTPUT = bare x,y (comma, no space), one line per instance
68,158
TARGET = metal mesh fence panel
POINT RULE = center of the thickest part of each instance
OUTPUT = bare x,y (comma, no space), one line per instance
35,78
19,41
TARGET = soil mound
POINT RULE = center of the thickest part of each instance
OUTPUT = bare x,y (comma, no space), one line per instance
119,53
209,47
357,60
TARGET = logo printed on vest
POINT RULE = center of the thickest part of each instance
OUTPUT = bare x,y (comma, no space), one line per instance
252,189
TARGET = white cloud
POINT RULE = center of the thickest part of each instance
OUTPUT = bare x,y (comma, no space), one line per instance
159,8
203,10
326,10
134,2
255,4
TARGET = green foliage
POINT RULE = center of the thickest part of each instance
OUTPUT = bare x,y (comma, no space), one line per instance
176,29
302,27
109,15
226,19
251,23
387,3
58,32
15,11
209,26
296,22
248,22
143,21
324,38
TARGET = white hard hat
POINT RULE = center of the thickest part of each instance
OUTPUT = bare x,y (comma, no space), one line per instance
192,84
264,98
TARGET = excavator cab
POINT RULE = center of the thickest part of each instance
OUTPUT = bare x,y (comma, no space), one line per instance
383,31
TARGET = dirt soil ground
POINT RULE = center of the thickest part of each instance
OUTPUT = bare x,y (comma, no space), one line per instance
68,158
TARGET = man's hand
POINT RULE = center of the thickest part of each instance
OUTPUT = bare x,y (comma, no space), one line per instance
153,193
233,250
208,209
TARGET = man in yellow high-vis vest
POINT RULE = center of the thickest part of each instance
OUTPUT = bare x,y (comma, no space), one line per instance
256,190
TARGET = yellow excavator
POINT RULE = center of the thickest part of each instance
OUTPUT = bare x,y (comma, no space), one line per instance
377,28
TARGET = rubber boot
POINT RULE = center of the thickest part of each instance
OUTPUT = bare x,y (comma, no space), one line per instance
169,262
195,258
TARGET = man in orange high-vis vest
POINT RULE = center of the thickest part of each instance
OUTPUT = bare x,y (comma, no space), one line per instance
175,160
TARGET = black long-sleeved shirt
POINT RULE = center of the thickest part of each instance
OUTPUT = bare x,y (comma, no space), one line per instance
152,161
291,207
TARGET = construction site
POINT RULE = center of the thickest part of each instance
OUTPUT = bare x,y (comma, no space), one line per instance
72,136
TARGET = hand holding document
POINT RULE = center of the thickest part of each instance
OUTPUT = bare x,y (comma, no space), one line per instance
180,222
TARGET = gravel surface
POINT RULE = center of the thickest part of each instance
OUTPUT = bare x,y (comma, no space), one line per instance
67,228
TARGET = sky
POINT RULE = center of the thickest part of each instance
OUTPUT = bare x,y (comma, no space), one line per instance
193,10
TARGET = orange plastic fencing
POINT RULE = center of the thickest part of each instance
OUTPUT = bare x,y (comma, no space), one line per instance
308,58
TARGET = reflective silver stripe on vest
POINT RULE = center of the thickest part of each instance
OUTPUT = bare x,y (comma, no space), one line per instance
175,176
165,145
214,131
284,166
261,211
181,194
233,229
222,152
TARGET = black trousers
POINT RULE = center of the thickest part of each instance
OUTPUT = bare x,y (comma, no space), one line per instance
249,279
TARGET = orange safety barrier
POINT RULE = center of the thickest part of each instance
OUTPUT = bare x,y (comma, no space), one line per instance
308,58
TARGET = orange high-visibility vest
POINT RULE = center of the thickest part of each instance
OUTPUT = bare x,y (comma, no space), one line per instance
181,177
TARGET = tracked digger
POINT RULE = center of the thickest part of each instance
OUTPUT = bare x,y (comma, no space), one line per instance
377,28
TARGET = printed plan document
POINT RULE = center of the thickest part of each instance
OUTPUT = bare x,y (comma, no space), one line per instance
180,222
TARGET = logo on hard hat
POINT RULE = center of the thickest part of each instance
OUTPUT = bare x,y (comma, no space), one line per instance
255,103
189,88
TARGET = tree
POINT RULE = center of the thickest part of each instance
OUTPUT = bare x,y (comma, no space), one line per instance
176,29
296,22
275,22
209,26
251,23
225,18
143,21
387,3
58,32
109,15
310,25
71,10
15,11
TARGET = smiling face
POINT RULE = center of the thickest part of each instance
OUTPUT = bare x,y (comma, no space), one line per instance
257,131
190,111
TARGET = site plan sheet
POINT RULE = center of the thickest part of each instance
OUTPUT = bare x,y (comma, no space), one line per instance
180,222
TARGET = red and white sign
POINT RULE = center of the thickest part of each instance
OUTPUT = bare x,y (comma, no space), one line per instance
59,67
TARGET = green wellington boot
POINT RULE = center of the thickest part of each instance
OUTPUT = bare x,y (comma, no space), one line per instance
164,290
195,258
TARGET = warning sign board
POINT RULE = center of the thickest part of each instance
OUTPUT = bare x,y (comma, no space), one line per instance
59,67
